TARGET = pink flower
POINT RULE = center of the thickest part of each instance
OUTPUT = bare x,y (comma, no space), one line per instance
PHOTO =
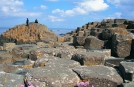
29,83
22,86
37,86
92,86
86,83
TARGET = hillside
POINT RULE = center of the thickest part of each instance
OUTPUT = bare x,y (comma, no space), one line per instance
28,34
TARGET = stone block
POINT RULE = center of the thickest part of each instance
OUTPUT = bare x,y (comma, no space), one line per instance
113,61
80,33
52,77
61,39
92,42
106,52
89,58
121,45
79,41
99,76
127,70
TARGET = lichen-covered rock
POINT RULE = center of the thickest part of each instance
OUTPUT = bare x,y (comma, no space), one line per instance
10,80
99,76
89,58
52,77
127,69
36,53
55,61
68,53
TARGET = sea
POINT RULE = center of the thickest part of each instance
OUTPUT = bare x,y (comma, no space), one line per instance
58,31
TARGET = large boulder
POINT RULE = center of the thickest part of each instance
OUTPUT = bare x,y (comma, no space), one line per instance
92,42
121,45
99,76
52,77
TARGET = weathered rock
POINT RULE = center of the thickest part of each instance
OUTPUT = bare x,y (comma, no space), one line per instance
61,39
36,53
68,38
119,21
106,52
17,52
127,70
55,62
79,41
94,32
92,42
113,61
81,33
10,80
8,46
42,44
106,34
89,58
99,76
22,51
121,45
52,77
68,53
17,65
130,26
6,57
131,84
1,47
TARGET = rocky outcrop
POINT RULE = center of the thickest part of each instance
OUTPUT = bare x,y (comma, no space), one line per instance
21,34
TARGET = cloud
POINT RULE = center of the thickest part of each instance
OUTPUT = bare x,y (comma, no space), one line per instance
51,0
84,7
43,7
114,15
12,8
126,6
115,2
55,19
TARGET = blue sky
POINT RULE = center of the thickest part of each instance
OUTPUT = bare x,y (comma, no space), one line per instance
63,13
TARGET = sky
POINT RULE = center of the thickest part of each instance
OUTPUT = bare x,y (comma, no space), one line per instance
63,13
